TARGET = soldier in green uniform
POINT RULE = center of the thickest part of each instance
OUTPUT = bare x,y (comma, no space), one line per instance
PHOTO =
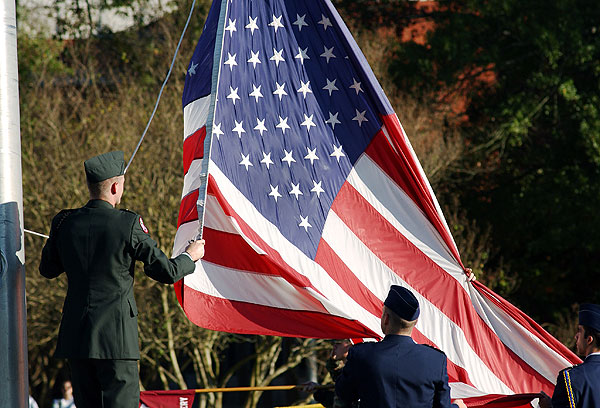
97,246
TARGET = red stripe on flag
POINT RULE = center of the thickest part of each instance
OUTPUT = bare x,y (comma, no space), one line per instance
188,211
247,318
225,249
403,170
436,285
346,279
193,148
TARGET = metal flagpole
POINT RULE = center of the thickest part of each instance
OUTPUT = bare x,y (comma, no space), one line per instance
13,322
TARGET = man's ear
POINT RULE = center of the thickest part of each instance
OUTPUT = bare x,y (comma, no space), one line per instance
113,188
386,318
589,340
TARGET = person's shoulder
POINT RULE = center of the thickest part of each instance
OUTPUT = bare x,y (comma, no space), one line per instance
127,211
363,348
431,351
64,212
62,215
128,214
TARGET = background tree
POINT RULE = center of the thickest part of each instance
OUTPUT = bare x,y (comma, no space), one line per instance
529,71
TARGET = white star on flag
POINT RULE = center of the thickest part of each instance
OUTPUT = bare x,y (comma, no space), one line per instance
231,27
317,188
260,126
300,22
217,130
254,59
304,89
325,22
308,122
331,86
277,57
312,155
276,23
246,161
252,24
333,119
274,192
304,223
283,124
356,86
288,158
279,91
239,128
266,160
302,55
337,152
296,190
256,92
192,68
231,61
360,117
328,54
233,94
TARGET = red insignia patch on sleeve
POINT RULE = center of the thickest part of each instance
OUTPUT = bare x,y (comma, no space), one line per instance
143,226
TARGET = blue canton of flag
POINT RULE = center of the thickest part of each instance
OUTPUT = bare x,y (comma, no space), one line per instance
291,114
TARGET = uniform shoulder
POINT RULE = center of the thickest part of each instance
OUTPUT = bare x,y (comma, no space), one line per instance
62,214
126,211
363,347
432,349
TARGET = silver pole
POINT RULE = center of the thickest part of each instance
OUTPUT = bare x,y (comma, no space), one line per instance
13,313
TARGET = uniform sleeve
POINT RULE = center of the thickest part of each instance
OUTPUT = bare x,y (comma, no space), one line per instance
156,264
441,399
560,397
50,264
346,389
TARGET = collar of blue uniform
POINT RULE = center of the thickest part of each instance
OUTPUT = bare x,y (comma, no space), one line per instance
398,338
593,357
98,204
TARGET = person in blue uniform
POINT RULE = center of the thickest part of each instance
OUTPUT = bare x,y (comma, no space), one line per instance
97,246
579,386
395,372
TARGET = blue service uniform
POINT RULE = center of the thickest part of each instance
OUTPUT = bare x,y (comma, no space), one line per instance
394,373
579,386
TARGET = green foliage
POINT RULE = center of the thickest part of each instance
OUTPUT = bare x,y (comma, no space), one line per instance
530,73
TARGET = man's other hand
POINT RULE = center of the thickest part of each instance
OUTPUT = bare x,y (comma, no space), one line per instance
196,249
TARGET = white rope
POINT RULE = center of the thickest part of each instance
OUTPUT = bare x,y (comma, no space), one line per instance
36,233
163,86
155,106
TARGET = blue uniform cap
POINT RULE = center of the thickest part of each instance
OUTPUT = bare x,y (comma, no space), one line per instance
402,302
105,166
589,315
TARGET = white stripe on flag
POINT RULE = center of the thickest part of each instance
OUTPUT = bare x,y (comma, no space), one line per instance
192,180
184,233
462,390
195,115
251,287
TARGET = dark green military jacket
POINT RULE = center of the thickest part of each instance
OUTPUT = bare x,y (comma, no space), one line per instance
97,246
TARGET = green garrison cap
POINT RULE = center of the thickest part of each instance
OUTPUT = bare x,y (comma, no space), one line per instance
105,166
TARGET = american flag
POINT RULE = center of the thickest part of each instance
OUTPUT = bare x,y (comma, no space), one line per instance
313,202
